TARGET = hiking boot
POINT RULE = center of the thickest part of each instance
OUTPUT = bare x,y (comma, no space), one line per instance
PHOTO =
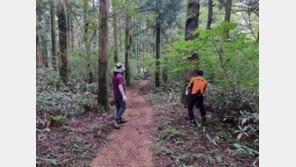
115,124
121,121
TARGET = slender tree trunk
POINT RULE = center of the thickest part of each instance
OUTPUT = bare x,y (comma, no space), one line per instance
44,51
103,54
192,16
127,50
210,14
72,36
165,70
38,48
227,14
226,19
77,35
53,35
86,41
157,45
257,40
63,41
115,36
68,25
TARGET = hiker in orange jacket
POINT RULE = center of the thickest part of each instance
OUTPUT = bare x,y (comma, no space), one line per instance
198,85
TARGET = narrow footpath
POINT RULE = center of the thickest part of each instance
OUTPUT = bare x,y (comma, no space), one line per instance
130,146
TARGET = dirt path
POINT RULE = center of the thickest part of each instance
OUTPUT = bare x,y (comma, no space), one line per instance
131,144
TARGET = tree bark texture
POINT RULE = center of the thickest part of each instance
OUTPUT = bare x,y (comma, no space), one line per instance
210,14
127,50
63,41
103,53
44,51
72,36
68,24
115,36
86,41
192,16
157,45
38,48
227,14
53,35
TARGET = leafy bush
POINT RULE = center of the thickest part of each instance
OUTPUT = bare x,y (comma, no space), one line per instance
54,99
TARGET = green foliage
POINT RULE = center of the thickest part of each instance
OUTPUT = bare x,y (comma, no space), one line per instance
241,149
58,118
53,98
172,133
52,161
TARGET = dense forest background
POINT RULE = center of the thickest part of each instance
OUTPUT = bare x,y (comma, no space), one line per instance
79,42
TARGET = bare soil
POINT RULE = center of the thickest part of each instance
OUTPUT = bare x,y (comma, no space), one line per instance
74,143
131,144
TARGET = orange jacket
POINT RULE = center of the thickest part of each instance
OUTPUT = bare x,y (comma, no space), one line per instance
199,84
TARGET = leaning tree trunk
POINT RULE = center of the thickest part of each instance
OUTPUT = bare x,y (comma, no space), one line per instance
53,35
192,14
63,41
210,14
127,50
157,45
103,53
227,15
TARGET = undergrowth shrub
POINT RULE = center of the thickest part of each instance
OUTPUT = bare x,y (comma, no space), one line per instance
56,100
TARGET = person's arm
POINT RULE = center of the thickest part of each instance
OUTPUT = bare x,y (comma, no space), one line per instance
188,87
206,86
120,86
122,92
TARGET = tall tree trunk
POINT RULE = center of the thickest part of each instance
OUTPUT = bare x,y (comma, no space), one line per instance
165,70
44,51
226,19
115,36
38,48
210,14
103,60
192,14
127,50
68,24
227,14
53,35
77,35
157,45
63,41
86,41
257,40
72,36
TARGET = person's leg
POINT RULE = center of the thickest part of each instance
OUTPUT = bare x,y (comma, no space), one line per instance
191,102
117,103
121,109
114,122
202,109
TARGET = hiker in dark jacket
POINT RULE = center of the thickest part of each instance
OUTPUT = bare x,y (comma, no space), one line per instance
119,94
198,85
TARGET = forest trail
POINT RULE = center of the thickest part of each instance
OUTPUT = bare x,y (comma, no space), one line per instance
131,144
